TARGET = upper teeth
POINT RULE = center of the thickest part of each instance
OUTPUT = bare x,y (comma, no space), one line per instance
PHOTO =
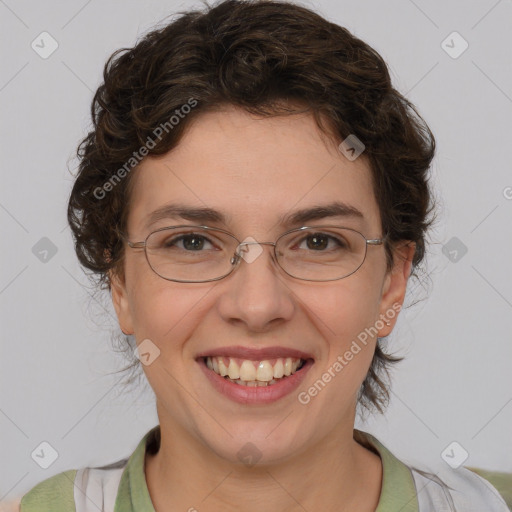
248,370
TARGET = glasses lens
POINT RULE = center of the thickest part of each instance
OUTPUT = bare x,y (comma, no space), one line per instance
190,253
322,253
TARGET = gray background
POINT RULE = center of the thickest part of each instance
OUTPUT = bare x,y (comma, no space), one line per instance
455,384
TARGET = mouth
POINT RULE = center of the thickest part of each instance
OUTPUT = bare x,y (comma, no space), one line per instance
248,375
246,372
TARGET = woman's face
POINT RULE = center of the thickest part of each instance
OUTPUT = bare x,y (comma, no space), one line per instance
256,172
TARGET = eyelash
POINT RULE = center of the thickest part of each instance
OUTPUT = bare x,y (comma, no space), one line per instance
174,240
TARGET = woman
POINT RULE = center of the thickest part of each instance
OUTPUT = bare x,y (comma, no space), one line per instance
254,195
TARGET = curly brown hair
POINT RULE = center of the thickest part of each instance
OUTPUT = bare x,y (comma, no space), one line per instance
269,58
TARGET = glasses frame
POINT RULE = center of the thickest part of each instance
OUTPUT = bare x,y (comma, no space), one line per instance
236,258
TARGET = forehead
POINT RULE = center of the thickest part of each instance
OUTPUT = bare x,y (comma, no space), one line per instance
256,172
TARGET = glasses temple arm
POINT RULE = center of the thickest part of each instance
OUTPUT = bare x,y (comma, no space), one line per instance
136,245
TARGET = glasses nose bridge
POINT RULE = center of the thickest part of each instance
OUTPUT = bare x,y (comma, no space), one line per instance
256,243
237,258
241,245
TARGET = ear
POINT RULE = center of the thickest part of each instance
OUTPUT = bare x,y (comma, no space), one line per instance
121,302
394,287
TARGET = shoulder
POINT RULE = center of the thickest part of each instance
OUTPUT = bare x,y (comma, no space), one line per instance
502,481
55,494
456,489
444,490
77,490
70,491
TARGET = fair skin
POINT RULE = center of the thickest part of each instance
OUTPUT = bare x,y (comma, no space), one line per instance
255,170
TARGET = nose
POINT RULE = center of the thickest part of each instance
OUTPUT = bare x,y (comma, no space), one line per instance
256,293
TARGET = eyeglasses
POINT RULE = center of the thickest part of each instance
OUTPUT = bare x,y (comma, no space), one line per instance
197,254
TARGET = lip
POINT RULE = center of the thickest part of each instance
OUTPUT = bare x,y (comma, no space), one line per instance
256,395
255,354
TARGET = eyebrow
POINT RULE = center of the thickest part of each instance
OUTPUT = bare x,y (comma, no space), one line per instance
197,214
335,209
208,215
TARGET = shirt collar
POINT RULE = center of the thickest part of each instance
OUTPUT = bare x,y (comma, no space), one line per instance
398,491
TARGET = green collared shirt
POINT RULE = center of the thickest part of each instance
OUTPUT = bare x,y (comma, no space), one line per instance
122,487
398,489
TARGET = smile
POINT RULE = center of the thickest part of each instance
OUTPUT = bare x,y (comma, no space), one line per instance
253,376
250,373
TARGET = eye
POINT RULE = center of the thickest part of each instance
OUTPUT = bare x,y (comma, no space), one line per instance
188,242
322,241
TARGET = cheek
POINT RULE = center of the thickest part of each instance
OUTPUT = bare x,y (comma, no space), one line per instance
166,312
343,310
345,316
165,318
155,304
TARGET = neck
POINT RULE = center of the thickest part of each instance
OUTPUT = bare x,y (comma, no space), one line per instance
336,474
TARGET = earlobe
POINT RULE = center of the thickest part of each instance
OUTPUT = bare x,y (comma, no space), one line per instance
121,302
395,285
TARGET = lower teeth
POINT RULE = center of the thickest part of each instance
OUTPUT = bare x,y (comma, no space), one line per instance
253,383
